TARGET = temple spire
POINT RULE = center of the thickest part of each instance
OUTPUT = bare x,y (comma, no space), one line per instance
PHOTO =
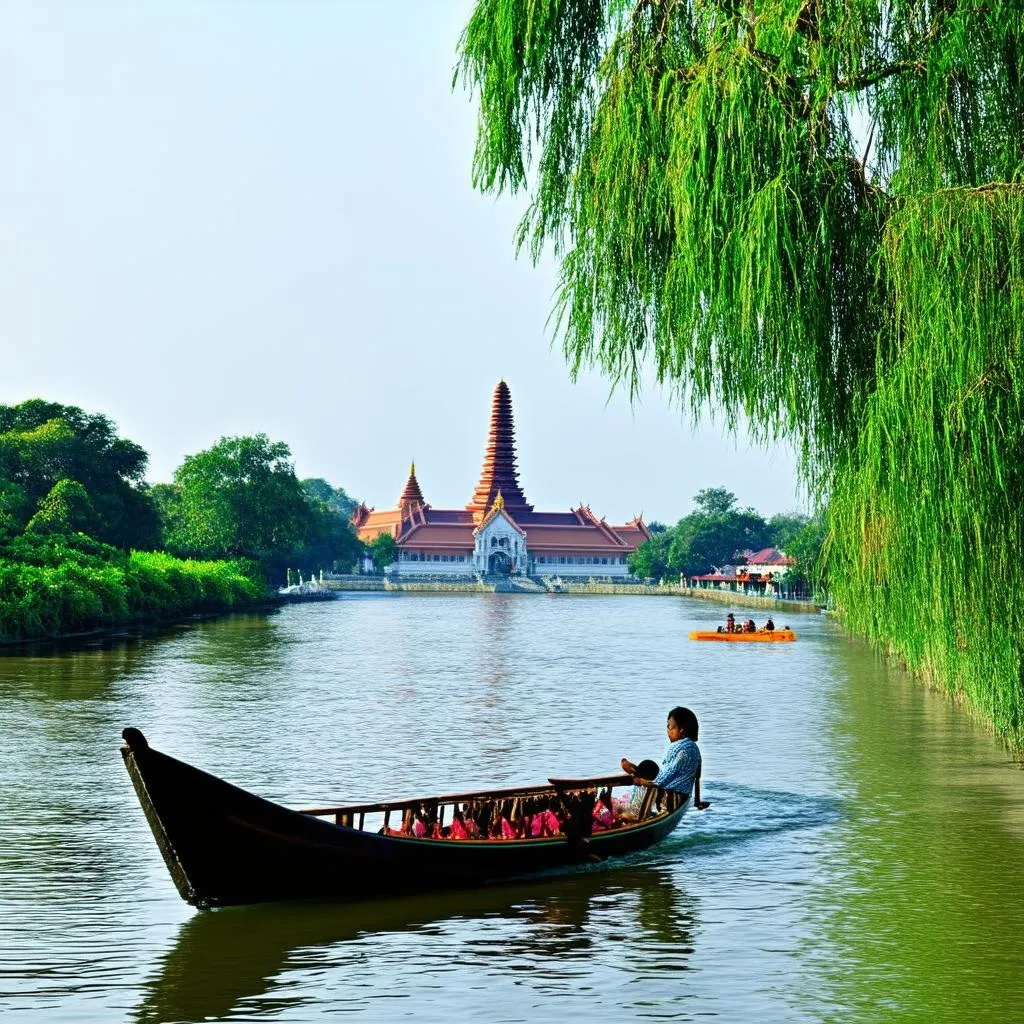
499,473
412,496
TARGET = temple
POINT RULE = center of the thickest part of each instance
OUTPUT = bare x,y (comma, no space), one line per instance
499,532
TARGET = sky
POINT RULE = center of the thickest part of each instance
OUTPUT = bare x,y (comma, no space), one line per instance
240,216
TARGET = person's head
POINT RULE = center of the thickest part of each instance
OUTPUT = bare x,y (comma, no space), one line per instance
682,722
647,770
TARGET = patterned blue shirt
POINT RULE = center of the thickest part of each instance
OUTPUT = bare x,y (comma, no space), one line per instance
680,767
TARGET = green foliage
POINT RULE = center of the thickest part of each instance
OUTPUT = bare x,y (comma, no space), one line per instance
66,509
382,550
331,542
651,559
241,499
714,501
714,534
810,574
44,443
238,499
52,588
320,490
693,168
783,527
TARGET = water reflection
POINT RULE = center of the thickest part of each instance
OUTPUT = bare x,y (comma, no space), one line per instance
922,858
862,859
224,958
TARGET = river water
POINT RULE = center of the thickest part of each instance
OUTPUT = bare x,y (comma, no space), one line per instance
862,861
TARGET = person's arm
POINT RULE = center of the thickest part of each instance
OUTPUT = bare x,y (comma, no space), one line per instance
628,767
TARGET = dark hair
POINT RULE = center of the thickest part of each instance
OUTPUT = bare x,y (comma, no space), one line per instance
647,770
686,720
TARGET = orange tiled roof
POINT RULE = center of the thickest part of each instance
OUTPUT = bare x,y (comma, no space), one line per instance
415,524
447,535
376,523
769,556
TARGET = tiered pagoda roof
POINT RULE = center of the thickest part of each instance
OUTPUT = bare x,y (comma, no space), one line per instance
499,473
415,524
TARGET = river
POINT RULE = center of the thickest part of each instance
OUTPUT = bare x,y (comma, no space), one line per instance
862,860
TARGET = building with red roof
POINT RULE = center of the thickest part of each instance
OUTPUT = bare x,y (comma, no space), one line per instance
498,531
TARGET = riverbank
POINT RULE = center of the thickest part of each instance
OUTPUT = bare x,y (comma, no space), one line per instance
545,585
77,594
134,629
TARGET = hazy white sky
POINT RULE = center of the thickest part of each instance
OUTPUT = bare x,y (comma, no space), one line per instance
233,216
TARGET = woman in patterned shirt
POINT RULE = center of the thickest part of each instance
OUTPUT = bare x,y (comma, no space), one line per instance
680,768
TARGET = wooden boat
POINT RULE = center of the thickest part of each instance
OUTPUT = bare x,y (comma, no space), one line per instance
224,845
762,636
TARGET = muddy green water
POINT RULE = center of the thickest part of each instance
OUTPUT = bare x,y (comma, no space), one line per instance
863,860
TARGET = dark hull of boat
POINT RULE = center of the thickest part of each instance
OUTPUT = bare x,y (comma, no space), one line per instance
225,846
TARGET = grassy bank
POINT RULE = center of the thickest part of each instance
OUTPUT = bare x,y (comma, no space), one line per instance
76,591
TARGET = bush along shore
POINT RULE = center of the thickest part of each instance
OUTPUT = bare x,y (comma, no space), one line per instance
86,544
76,592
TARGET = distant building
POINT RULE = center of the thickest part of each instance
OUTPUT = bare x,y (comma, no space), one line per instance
498,532
763,573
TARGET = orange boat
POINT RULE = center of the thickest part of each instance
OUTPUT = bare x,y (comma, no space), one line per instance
762,636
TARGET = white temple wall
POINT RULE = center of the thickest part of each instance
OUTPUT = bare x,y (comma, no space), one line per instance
554,567
447,564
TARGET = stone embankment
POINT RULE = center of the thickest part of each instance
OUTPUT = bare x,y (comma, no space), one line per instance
557,585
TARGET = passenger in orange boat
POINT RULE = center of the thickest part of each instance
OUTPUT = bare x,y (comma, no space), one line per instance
730,623
769,626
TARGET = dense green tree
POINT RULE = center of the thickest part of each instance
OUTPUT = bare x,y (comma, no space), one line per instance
330,543
238,499
784,526
64,511
382,550
650,559
715,533
810,573
44,443
714,501
241,499
717,218
320,490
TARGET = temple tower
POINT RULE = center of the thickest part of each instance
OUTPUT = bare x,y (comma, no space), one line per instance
411,502
499,473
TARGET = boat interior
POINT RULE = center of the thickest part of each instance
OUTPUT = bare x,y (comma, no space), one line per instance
563,808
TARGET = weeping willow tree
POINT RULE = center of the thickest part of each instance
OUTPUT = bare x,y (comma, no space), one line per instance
808,216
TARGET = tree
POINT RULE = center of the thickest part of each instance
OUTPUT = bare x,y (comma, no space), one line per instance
704,540
331,542
784,526
238,499
320,490
810,573
718,221
714,501
650,560
44,443
64,511
382,550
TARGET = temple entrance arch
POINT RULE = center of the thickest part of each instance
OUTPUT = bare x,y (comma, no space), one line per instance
500,563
